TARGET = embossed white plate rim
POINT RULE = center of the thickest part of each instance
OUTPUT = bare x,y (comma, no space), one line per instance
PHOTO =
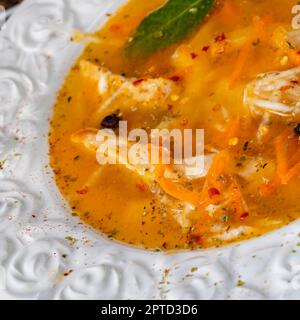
39,257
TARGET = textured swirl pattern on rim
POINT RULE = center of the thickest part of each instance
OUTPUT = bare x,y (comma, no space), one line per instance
46,253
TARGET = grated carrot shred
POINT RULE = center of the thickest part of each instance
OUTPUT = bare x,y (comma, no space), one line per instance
175,189
292,173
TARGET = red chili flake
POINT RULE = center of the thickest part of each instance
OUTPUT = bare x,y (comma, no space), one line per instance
85,190
220,37
142,187
175,78
194,238
244,216
206,48
212,192
137,82
285,88
194,55
170,107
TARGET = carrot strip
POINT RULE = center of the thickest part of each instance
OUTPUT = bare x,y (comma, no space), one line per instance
288,167
176,190
292,173
217,171
219,166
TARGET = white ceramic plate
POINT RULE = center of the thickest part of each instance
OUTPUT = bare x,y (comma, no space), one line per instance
39,239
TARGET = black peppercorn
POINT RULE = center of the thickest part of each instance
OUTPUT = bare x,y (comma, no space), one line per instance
111,121
297,130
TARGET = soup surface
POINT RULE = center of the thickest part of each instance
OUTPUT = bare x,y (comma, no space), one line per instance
237,77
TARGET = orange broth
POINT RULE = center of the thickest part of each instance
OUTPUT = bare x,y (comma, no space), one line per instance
213,66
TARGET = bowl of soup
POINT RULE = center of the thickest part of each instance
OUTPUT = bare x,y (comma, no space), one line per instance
227,68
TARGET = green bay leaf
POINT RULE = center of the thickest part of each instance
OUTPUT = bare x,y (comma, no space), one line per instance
167,25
